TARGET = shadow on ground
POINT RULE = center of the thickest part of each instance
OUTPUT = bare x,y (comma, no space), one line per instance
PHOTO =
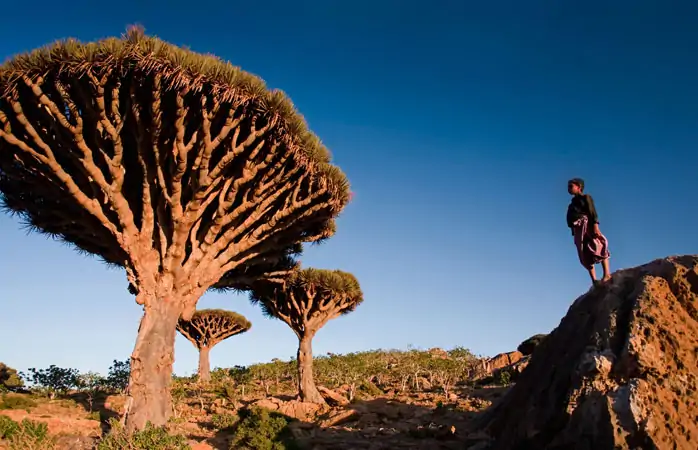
387,424
97,405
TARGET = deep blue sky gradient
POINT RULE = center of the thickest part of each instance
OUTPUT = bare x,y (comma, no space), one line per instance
458,124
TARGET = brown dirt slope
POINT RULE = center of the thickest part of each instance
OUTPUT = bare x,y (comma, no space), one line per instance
619,372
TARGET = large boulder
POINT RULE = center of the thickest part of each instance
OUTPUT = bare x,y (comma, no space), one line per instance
529,345
619,372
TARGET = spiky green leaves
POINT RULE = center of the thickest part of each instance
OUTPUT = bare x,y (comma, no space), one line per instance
309,298
137,52
208,327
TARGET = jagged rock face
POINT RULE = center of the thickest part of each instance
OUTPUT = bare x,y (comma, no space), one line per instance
619,372
502,360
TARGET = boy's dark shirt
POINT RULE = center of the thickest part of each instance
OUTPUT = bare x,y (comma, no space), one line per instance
581,205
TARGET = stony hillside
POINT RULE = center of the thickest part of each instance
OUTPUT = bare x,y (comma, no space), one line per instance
619,372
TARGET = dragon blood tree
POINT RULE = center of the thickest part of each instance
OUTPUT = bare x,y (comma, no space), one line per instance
208,327
177,166
307,300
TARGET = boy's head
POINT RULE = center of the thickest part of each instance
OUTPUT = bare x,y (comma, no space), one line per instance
575,186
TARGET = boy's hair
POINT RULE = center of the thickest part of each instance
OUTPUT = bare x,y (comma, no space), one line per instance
578,181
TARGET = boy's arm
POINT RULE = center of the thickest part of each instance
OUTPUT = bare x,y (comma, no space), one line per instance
593,215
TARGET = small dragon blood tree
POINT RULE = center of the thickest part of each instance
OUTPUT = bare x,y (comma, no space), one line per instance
208,327
307,300
176,166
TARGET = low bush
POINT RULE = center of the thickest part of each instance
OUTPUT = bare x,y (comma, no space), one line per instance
150,438
8,427
261,429
15,401
26,435
223,421
503,377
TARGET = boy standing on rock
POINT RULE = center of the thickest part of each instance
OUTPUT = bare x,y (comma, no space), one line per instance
592,246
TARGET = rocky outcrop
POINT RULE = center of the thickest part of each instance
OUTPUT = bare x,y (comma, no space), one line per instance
619,372
291,408
501,361
331,397
438,353
529,345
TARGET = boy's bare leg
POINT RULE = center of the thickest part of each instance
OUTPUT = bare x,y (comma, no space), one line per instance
606,269
592,274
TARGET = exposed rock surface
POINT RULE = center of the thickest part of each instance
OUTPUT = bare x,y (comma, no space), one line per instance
528,346
292,408
332,397
619,372
502,360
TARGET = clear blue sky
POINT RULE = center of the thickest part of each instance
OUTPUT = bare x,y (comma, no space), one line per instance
458,125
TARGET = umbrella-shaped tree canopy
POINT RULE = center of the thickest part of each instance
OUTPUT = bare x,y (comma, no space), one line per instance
208,327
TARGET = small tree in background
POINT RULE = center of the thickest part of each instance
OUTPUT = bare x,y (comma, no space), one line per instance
90,384
306,302
53,380
208,327
177,166
118,375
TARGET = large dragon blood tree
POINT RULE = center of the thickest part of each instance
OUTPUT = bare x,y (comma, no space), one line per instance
306,301
177,166
208,327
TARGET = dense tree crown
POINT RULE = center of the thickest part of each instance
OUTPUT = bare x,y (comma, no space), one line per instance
309,298
159,159
208,327
9,378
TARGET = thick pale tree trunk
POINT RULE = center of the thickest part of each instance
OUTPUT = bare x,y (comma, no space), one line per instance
151,366
306,383
204,364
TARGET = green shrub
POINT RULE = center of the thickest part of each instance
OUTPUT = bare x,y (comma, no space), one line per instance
8,427
150,438
9,378
223,421
370,389
26,435
503,377
261,429
9,401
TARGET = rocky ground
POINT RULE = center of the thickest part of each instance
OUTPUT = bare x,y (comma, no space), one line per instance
424,420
